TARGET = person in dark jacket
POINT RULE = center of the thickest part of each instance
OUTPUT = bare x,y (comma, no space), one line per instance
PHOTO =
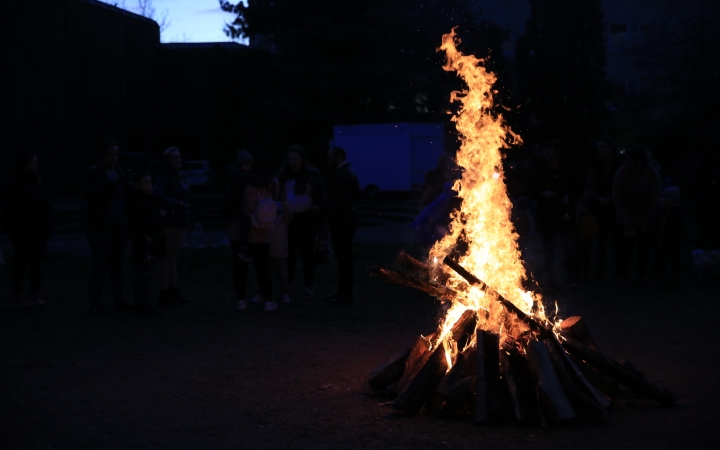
302,186
599,188
240,224
342,194
107,232
172,193
556,190
27,219
146,239
636,194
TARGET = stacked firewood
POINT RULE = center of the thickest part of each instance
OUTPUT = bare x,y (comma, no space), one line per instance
547,375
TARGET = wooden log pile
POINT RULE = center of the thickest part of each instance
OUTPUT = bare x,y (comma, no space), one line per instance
545,376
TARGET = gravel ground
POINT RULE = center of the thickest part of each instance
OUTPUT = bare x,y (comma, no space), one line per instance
207,376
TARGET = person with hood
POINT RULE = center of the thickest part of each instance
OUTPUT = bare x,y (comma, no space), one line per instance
172,193
27,219
343,189
107,232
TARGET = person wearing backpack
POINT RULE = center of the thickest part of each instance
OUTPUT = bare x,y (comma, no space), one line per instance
258,203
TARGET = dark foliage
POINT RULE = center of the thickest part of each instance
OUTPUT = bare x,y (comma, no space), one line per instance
351,62
561,72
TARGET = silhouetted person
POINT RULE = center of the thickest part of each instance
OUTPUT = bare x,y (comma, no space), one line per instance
668,236
636,192
146,239
587,229
706,177
599,189
240,177
342,193
107,232
27,219
302,186
258,203
436,178
172,193
556,190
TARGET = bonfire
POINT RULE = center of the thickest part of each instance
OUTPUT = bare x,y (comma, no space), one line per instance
495,353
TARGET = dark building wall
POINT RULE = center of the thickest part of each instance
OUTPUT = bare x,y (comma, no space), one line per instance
71,68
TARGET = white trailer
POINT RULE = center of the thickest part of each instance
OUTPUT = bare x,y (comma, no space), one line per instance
390,157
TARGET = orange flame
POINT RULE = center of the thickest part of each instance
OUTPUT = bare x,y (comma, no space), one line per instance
484,221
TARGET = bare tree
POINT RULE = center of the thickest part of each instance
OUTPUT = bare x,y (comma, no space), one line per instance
146,8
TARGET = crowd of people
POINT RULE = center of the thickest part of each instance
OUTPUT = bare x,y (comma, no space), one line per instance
273,220
623,205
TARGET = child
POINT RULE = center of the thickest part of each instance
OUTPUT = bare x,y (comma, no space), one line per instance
668,236
146,239
233,199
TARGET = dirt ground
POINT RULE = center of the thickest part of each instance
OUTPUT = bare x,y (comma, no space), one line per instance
208,377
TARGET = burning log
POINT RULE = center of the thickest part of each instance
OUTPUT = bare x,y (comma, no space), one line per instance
413,265
396,277
549,386
390,372
575,328
472,279
627,375
419,354
457,387
630,377
487,385
422,385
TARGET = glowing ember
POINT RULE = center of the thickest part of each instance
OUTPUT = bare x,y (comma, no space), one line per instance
483,222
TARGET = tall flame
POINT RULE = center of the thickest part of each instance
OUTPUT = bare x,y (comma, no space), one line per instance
484,221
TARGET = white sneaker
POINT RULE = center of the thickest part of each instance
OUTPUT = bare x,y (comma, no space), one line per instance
258,298
271,306
286,298
242,305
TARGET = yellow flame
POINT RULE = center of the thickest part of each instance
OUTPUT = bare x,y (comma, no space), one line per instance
484,219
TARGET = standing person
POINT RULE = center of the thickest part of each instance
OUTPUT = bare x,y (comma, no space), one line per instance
599,189
27,219
302,186
556,191
107,231
172,193
262,209
279,249
240,223
636,192
146,239
342,191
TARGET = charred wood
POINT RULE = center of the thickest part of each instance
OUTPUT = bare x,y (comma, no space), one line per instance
487,380
396,277
626,375
575,328
522,385
390,372
422,386
581,401
549,386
